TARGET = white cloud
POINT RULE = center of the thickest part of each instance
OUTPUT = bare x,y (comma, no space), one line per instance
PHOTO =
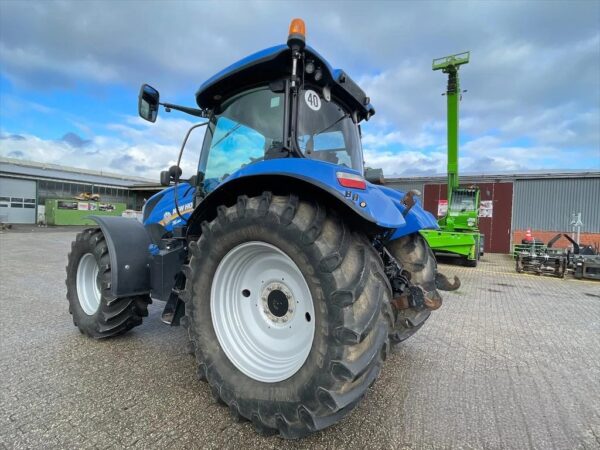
533,74
405,163
138,149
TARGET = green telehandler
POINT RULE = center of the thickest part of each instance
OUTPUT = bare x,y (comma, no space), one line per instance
459,227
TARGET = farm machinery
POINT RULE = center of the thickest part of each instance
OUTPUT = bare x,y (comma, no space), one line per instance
532,256
458,234
291,273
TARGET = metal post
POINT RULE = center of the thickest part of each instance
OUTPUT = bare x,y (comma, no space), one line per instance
578,224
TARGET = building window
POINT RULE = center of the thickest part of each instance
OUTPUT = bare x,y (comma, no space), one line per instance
17,202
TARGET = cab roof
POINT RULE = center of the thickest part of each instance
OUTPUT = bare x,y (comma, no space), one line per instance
272,64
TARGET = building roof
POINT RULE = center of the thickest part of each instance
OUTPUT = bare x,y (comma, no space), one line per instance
470,177
30,169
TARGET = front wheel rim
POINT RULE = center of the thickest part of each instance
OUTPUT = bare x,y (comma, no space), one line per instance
88,291
262,311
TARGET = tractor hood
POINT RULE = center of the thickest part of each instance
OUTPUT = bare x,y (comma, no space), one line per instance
275,63
160,208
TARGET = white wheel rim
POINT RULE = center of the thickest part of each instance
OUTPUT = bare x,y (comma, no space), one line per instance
262,312
88,292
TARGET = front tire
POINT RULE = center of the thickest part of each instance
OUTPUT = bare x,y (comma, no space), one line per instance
470,262
341,330
95,311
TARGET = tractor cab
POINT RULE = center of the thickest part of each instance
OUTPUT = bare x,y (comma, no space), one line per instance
254,126
282,102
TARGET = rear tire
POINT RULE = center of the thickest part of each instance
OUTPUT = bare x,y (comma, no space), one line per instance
95,311
350,299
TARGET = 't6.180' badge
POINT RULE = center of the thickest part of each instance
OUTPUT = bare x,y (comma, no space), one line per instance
312,100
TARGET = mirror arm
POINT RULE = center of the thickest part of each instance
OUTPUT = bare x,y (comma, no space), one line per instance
187,110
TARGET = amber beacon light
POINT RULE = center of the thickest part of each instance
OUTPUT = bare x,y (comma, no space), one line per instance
297,35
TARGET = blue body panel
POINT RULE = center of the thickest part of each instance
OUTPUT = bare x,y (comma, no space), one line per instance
382,205
164,212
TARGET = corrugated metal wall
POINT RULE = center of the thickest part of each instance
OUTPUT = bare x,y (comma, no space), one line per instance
405,186
548,204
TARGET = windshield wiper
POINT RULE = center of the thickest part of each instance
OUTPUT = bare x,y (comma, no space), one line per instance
333,124
308,148
229,133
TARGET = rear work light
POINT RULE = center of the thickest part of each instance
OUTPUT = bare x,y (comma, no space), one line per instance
351,180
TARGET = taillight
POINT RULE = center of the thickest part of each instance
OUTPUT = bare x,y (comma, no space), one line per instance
351,180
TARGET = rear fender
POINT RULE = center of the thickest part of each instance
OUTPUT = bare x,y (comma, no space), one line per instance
128,244
307,178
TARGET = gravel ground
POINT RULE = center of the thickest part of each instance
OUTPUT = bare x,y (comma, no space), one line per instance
509,361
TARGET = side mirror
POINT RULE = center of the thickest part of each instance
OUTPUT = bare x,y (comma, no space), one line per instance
165,178
173,174
148,103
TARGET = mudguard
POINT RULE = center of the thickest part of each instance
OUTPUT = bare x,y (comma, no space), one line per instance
128,243
371,203
377,204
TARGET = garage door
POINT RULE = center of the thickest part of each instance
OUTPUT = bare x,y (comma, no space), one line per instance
17,201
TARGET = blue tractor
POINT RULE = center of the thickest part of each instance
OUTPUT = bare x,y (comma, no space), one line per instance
291,273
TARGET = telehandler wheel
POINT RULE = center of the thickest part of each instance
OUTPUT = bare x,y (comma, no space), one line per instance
470,262
95,311
288,312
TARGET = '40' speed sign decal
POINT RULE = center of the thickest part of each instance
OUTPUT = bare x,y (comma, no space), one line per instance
312,100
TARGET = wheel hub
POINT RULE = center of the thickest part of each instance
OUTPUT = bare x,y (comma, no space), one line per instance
88,284
277,302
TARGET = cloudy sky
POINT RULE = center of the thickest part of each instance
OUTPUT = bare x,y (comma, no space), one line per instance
70,74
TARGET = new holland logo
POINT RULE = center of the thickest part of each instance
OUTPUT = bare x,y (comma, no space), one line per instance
171,216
